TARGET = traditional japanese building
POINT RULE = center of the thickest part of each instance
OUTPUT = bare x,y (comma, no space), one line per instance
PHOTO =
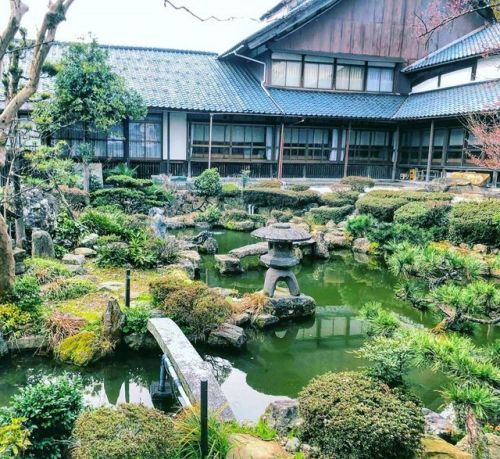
332,87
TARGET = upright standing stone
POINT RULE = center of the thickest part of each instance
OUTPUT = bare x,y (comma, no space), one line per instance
42,245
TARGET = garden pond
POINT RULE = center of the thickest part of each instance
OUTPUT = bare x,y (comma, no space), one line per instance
277,362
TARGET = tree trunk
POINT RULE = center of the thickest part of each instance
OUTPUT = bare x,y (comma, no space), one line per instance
476,438
7,263
86,177
18,209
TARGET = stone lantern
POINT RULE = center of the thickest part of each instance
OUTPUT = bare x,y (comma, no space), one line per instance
280,259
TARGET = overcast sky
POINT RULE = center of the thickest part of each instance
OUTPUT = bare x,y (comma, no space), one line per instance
150,23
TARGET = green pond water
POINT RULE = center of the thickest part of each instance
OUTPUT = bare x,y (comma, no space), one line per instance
277,363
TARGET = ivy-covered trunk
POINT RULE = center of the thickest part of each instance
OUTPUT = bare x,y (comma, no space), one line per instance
476,438
7,264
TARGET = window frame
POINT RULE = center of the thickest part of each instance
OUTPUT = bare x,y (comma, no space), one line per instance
155,119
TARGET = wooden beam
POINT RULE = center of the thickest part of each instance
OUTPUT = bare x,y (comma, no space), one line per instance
395,154
281,152
210,140
429,154
347,145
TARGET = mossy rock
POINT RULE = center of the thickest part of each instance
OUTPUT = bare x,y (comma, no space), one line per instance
437,448
80,349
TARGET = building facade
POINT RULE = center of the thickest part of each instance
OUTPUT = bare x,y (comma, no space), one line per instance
327,88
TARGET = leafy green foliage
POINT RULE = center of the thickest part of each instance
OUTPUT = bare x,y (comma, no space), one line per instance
67,234
46,270
79,349
132,200
476,223
211,214
122,169
381,322
26,294
346,412
14,439
360,226
50,409
208,183
125,181
136,319
174,279
423,214
125,432
112,254
358,183
88,91
322,215
69,289
282,216
13,321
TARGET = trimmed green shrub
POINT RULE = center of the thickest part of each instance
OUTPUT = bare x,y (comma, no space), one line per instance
75,197
267,184
26,293
112,254
476,223
282,216
208,183
13,321
50,409
298,187
230,190
46,270
411,196
125,432
381,208
104,224
276,198
339,198
125,181
122,169
173,280
69,289
358,183
196,309
424,214
349,413
322,215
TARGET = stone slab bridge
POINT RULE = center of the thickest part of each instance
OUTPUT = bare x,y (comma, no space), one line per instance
189,369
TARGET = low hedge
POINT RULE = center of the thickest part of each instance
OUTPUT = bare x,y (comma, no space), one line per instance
383,204
132,200
349,412
230,190
423,214
476,223
358,183
124,181
322,215
339,198
276,198
125,432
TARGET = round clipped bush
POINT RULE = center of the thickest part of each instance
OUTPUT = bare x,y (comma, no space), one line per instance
322,215
350,415
80,349
230,190
208,183
339,198
358,183
378,207
173,280
476,223
424,214
125,432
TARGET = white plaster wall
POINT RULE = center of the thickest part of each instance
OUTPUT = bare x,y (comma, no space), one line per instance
178,136
488,68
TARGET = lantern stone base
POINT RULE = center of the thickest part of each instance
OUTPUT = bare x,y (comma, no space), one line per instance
290,307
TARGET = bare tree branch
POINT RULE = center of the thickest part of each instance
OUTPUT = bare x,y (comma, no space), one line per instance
209,18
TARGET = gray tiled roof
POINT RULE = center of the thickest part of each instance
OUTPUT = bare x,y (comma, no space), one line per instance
484,40
459,100
337,104
187,80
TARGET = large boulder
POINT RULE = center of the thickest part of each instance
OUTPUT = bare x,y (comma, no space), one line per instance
228,336
19,257
437,448
265,320
261,248
85,251
192,256
74,260
140,341
112,321
4,349
228,264
89,241
42,245
320,248
40,209
441,424
282,416
474,178
361,245
492,445
245,446
290,307
210,246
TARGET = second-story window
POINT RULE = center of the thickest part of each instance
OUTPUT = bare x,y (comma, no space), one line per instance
380,77
350,75
145,138
318,73
287,70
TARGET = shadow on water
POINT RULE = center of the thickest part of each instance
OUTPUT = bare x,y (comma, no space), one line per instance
277,362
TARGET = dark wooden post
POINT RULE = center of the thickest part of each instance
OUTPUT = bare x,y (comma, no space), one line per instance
204,419
127,288
429,154
395,154
281,152
210,140
347,144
